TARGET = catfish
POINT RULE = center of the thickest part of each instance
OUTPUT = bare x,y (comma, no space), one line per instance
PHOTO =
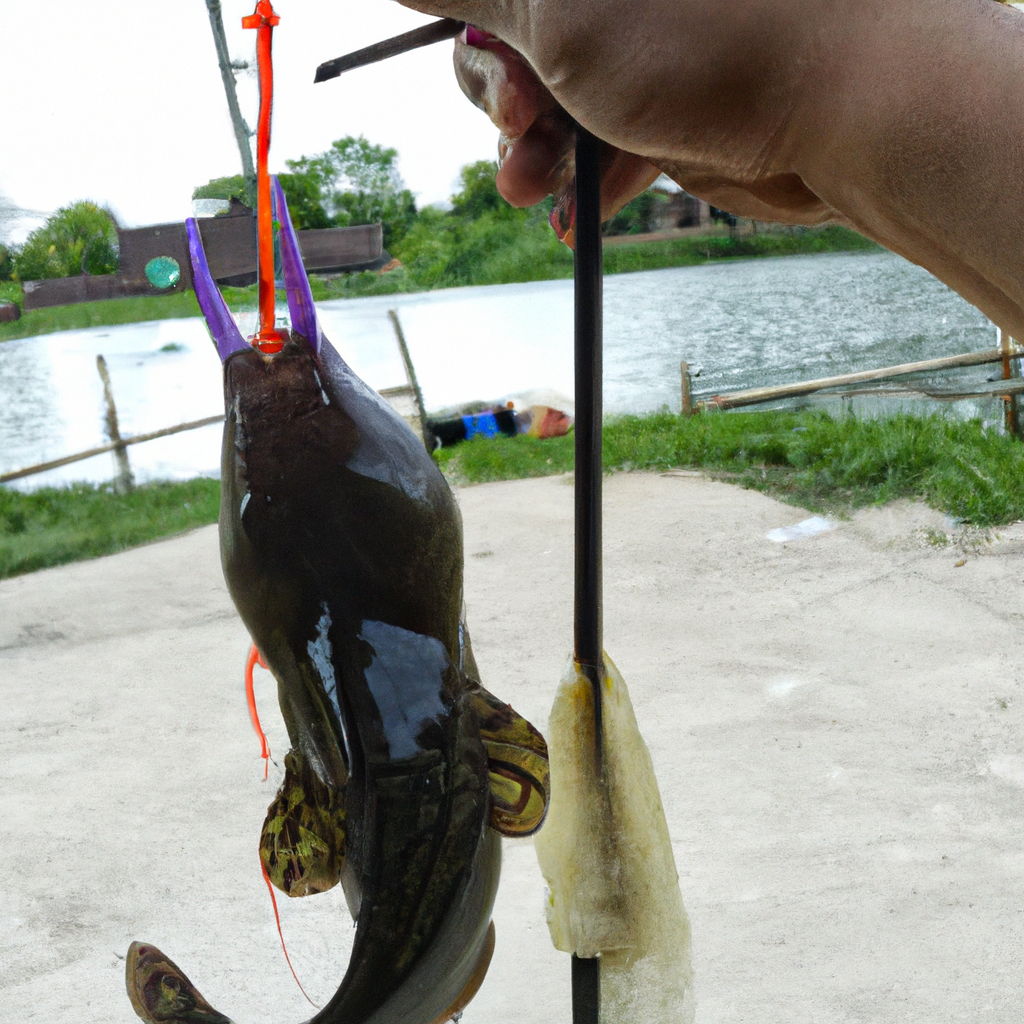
341,545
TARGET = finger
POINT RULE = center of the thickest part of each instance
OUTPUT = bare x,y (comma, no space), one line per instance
540,162
500,82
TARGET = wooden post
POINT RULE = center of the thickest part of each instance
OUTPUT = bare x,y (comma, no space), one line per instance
410,373
686,408
1011,404
123,481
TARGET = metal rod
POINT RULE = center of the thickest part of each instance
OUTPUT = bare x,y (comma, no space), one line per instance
588,645
586,990
588,328
435,32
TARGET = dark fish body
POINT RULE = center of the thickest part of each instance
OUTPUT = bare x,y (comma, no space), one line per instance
342,549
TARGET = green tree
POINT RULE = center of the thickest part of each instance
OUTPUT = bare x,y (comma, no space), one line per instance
354,182
638,216
80,237
479,194
7,256
235,186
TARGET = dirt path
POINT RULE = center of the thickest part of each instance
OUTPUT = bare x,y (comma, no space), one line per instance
837,725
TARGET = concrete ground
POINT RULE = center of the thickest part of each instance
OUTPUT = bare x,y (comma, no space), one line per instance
837,724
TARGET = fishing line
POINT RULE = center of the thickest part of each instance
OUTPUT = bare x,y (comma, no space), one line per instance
254,659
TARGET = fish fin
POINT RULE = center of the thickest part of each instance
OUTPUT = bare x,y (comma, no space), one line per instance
517,764
161,993
226,335
475,981
301,309
302,845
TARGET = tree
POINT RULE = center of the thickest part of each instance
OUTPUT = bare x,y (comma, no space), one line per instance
354,182
78,238
479,194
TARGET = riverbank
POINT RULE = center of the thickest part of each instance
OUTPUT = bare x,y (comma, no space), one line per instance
518,258
811,460
836,724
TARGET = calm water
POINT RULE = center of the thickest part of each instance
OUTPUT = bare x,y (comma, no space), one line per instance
745,323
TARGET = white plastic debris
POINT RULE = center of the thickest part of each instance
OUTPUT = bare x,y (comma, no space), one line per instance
799,531
607,857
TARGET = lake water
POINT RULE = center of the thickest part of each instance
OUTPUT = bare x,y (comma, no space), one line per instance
745,323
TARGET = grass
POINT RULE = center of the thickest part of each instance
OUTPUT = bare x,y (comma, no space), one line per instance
805,458
504,254
55,525
808,459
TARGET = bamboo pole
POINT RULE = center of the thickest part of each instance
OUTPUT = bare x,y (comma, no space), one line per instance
1011,404
754,396
124,481
410,373
42,467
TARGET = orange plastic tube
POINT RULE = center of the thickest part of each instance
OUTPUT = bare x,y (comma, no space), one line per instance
263,19
250,696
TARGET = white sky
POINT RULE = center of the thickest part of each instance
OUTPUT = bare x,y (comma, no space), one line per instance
121,101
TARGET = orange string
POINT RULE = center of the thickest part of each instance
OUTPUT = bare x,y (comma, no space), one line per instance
250,696
263,19
277,918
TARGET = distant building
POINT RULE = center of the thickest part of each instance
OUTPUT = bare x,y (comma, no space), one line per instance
154,260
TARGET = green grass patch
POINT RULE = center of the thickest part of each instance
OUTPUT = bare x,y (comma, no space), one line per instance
109,312
55,525
808,459
687,252
805,458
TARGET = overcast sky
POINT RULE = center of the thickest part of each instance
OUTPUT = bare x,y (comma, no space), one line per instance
121,101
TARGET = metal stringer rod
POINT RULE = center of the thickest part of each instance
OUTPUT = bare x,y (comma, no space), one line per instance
588,625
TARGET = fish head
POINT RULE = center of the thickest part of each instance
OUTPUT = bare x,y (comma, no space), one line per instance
330,504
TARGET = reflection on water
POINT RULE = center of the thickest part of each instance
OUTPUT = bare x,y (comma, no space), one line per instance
745,322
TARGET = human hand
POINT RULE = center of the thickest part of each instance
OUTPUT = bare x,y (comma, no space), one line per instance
626,71
901,120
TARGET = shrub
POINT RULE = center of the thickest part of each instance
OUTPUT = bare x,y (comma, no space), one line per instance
78,238
234,186
7,256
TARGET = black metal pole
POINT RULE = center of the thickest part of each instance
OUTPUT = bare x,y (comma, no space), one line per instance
588,645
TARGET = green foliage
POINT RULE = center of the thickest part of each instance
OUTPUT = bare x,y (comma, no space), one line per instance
82,236
7,257
808,459
52,526
302,190
354,182
111,311
234,186
479,193
638,216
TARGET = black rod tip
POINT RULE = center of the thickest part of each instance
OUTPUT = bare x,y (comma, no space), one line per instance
434,32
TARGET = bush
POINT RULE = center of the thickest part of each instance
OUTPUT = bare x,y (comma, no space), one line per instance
234,186
78,238
7,256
